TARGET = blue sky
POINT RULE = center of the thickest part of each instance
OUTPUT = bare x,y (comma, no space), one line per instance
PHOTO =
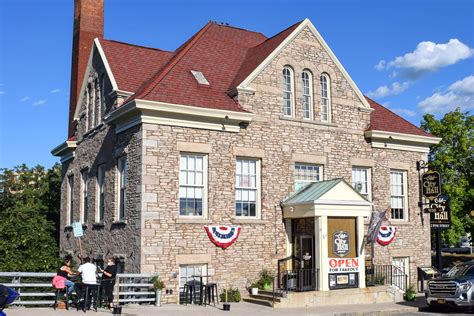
412,56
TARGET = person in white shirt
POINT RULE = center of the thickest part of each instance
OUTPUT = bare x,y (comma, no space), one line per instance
88,272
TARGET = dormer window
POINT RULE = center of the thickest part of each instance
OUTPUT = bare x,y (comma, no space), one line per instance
325,98
199,76
288,91
307,94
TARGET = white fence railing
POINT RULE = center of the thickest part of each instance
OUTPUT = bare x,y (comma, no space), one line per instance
35,288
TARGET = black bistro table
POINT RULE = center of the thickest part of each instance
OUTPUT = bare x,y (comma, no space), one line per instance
206,290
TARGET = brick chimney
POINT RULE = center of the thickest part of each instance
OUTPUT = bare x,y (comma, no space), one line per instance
88,24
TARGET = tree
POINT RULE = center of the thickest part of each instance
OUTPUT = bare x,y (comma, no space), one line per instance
453,158
29,210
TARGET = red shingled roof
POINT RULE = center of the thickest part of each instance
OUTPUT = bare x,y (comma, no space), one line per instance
382,119
226,56
132,65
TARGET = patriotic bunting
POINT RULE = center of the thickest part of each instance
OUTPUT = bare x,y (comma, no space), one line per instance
222,236
386,235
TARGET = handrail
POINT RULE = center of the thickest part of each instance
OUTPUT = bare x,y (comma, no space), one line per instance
387,275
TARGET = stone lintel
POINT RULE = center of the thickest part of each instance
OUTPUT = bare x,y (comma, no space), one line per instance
315,158
363,162
193,258
249,152
399,165
194,147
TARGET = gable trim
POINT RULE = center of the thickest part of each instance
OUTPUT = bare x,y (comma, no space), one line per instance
108,70
246,82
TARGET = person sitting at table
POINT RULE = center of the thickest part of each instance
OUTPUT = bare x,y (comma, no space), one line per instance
88,272
61,281
108,280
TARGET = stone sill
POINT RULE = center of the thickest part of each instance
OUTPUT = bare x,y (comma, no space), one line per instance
68,227
254,221
185,220
308,121
400,223
119,222
98,225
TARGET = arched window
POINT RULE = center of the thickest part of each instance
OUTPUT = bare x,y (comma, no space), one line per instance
288,93
307,97
325,98
97,102
86,110
102,95
90,88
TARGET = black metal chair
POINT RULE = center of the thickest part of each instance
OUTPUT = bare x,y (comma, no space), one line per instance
90,294
58,295
190,290
210,294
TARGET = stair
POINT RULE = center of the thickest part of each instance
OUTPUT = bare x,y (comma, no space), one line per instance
264,298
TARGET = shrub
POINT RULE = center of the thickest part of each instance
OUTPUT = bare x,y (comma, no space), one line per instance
233,295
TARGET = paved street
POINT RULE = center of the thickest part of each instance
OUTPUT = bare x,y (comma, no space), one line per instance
248,309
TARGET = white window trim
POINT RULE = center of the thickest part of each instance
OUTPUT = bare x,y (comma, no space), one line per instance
203,266
292,78
119,193
311,102
328,80
70,200
84,190
258,175
205,186
405,195
97,213
321,171
369,180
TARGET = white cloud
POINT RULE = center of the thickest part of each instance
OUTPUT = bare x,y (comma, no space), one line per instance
39,102
459,94
25,98
386,104
55,91
429,56
2,92
404,112
394,89
381,65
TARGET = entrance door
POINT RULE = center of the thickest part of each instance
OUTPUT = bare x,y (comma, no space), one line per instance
304,278
400,273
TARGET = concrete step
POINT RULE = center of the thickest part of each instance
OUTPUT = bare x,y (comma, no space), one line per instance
257,301
277,294
266,297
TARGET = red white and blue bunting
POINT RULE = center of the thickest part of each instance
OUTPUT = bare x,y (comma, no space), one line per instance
222,236
386,235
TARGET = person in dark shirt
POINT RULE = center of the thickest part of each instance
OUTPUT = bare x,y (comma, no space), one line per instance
64,273
108,280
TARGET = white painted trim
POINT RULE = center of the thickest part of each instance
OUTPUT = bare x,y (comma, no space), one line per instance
67,157
392,136
361,250
246,82
64,146
246,90
205,184
108,70
400,147
258,183
311,94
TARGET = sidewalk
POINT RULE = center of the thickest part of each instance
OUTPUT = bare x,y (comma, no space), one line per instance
241,308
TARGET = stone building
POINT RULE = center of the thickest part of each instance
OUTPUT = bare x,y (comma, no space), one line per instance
233,129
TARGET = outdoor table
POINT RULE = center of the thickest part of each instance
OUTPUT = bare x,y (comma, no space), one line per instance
206,288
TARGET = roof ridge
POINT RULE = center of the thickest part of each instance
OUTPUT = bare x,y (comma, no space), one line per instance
401,117
270,38
136,45
148,86
237,28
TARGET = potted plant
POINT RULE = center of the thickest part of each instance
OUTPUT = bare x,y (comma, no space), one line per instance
158,285
410,294
266,279
254,288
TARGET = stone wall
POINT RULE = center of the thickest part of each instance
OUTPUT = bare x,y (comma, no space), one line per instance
95,147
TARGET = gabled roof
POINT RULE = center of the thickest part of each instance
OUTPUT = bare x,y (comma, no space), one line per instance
311,192
382,119
133,64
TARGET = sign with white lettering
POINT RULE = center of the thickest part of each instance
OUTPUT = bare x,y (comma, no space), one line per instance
340,265
341,243
431,184
440,212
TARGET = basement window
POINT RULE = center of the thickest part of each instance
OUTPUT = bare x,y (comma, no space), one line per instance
200,78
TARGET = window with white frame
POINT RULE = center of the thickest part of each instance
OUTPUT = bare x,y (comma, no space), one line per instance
84,196
100,194
192,185
361,181
247,187
307,94
70,197
97,102
122,185
325,98
288,93
307,173
398,192
188,273
102,97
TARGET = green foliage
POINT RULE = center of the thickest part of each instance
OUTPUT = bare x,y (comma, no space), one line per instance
29,212
453,158
233,295
266,279
158,284
410,294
